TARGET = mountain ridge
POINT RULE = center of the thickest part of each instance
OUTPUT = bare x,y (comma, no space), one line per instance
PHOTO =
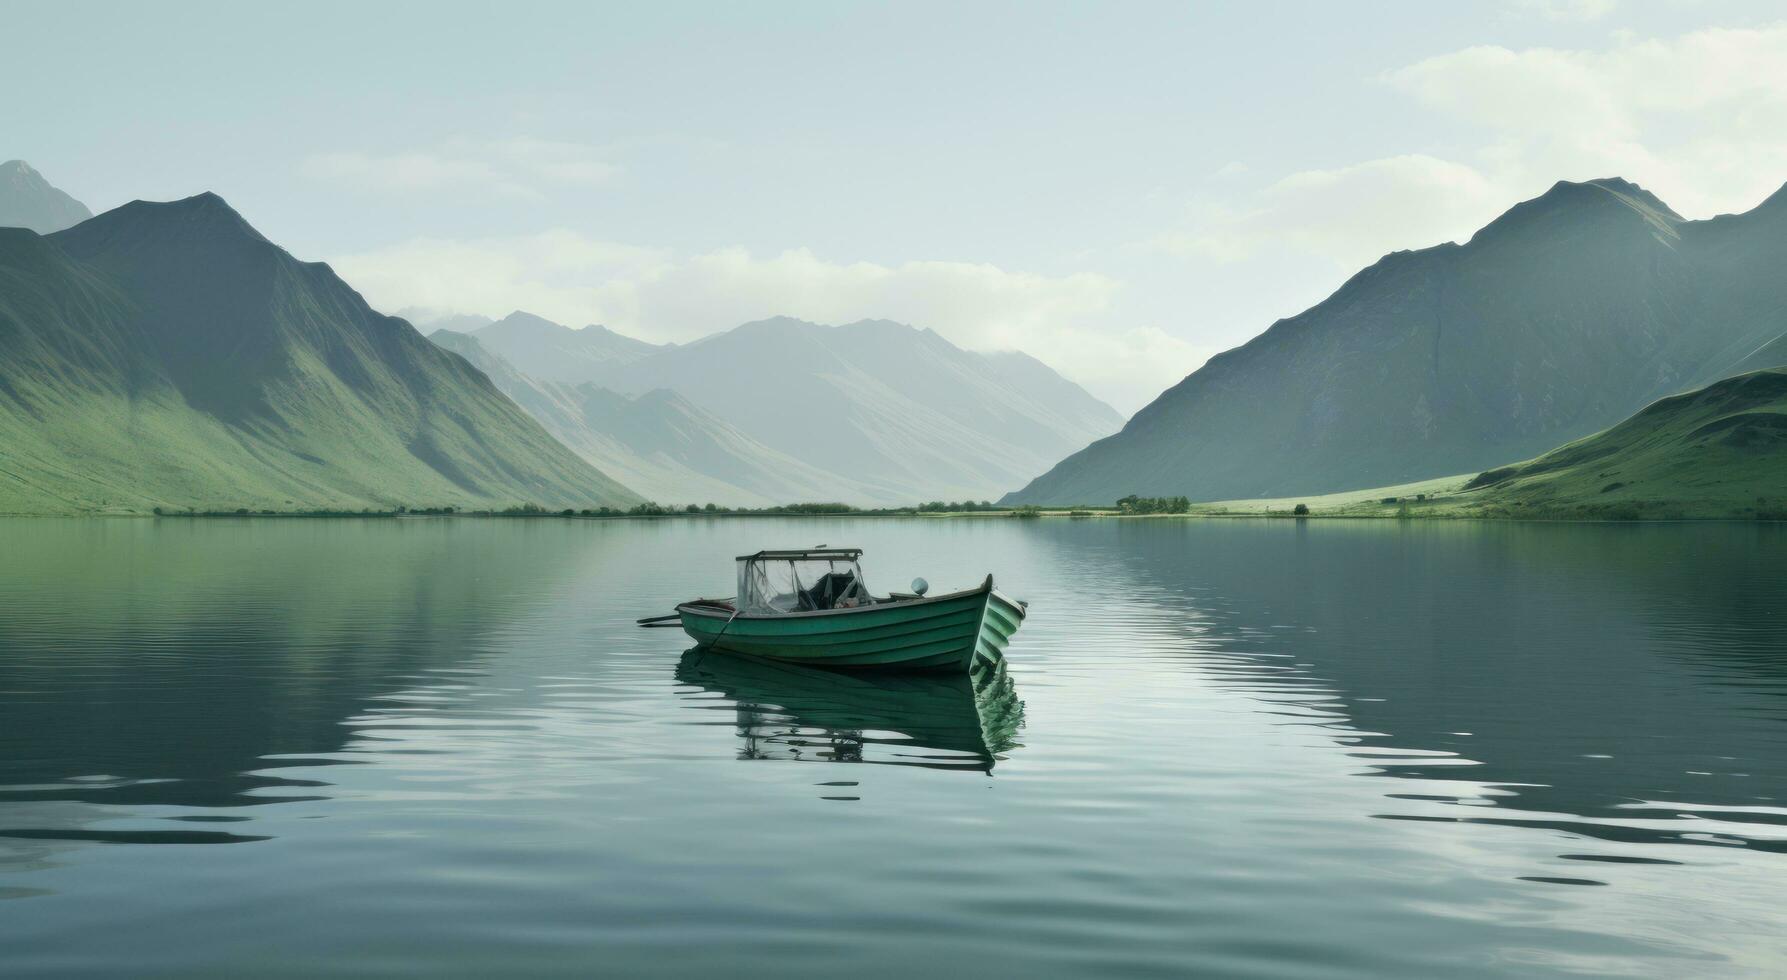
1557,319
658,443
27,200
554,352
893,413
891,405
168,354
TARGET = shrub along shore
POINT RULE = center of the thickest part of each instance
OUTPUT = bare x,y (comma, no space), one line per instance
1417,507
1449,498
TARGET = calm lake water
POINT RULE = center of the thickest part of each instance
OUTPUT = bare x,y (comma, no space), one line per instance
1251,748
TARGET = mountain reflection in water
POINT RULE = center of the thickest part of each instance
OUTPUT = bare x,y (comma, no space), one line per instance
1620,685
169,682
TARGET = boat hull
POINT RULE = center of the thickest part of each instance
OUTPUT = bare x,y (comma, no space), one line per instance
947,632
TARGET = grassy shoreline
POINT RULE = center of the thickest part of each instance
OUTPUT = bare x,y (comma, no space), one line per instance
1452,498
1433,509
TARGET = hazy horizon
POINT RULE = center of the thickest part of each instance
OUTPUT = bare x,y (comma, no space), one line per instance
1120,193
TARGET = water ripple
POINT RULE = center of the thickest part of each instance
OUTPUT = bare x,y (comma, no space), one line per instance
1230,748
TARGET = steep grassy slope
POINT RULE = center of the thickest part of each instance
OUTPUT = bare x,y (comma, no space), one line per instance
1720,451
1715,452
658,443
168,355
29,201
1558,319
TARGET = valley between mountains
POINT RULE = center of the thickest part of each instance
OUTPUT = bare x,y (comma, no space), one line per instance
168,356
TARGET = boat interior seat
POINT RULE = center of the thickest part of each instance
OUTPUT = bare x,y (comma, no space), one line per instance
831,588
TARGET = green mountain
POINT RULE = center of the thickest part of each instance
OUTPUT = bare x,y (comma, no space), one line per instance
1560,318
658,443
554,352
169,355
29,201
1720,451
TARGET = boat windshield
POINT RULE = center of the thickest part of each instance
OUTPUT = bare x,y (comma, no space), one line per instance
799,584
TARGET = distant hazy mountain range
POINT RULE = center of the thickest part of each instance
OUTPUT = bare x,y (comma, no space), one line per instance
1560,318
553,352
28,201
168,355
871,412
659,443
429,320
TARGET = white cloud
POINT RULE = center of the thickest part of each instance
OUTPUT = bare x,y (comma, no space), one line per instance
656,295
557,274
1700,120
515,167
1351,215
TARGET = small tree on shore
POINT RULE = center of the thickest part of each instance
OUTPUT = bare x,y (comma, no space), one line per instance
1133,504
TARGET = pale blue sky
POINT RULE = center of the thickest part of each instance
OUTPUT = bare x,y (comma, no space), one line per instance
1120,188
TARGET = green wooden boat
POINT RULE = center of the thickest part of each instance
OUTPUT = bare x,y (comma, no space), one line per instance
811,607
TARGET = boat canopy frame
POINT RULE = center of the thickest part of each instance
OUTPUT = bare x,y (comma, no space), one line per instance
820,554
805,580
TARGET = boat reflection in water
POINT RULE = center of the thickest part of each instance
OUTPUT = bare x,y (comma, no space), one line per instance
809,714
